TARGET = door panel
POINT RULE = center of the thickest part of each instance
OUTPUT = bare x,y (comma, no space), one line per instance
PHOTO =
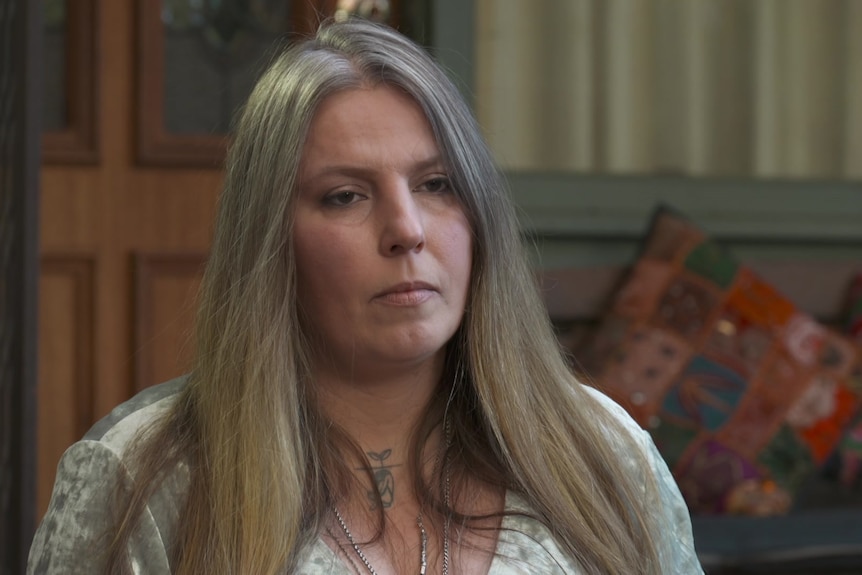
96,222
65,393
166,287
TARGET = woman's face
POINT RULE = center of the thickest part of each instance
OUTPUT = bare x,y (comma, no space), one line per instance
383,247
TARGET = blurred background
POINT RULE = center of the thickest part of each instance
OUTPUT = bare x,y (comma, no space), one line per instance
115,116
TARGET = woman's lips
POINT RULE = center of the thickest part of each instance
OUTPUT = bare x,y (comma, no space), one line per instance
406,294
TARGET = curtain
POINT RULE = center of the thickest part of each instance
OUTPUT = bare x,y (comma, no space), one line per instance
763,88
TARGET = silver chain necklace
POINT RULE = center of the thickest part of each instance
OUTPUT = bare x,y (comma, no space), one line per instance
423,535
423,553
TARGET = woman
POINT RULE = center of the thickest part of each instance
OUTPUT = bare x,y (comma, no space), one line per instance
377,388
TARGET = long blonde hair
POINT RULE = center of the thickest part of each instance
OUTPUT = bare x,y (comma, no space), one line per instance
261,455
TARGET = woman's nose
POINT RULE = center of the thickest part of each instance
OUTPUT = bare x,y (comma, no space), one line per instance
403,225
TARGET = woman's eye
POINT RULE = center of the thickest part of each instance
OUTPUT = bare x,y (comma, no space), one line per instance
437,185
341,198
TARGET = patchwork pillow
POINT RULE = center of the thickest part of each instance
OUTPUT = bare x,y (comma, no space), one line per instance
743,393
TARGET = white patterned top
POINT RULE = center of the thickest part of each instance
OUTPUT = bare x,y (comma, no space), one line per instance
68,539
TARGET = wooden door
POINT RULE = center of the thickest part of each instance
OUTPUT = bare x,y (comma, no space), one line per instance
124,230
120,243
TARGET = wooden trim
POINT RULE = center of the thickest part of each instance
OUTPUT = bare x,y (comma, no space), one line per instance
155,145
81,269
148,267
79,142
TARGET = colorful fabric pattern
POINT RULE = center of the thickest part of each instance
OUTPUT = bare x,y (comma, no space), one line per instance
744,394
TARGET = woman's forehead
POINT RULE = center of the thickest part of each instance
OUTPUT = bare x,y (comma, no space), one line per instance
367,127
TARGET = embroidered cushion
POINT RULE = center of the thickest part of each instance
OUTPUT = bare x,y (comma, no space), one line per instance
743,393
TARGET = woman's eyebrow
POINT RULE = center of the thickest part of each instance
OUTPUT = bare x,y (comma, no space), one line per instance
434,161
351,170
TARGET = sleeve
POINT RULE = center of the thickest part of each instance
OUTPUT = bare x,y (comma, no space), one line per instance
676,541
73,536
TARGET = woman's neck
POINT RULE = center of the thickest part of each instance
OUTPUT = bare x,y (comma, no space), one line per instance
382,416
379,410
